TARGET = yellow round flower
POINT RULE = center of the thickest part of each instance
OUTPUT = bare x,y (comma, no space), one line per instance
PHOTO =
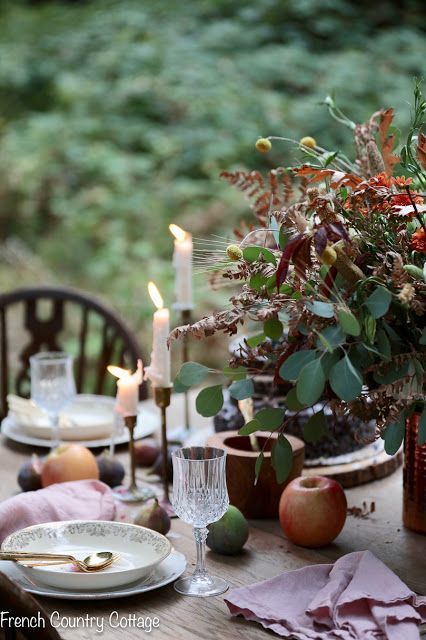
263,145
309,142
328,256
234,252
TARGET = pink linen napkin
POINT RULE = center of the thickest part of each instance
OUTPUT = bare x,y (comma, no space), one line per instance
356,598
78,500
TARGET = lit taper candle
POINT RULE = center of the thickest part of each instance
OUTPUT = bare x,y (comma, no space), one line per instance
159,370
182,261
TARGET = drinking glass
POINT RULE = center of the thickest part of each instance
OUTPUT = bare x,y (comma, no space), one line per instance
52,385
200,497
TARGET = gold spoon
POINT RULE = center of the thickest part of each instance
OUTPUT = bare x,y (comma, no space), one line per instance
93,562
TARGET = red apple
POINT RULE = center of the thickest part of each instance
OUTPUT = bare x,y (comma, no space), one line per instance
69,462
312,511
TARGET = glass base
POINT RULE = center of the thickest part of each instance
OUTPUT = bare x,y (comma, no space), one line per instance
201,587
139,494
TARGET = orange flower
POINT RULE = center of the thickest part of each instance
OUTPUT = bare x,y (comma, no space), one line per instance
418,240
401,181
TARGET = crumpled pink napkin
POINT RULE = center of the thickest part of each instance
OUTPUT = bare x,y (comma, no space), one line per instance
78,500
356,598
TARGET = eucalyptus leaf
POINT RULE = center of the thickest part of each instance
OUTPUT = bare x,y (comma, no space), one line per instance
252,253
249,427
330,338
369,325
378,302
345,380
291,368
210,401
178,387
348,322
423,337
394,436
310,383
321,309
273,328
242,389
292,401
253,341
192,373
258,465
383,344
316,427
270,419
282,458
257,281
236,373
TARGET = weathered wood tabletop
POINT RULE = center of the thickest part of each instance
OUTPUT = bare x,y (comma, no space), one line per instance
267,554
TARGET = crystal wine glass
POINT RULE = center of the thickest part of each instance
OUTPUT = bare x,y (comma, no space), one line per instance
200,497
52,385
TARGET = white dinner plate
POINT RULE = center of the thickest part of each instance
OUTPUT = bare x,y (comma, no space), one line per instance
88,417
140,551
168,571
148,422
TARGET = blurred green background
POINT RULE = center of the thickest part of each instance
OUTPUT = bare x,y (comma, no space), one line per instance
116,118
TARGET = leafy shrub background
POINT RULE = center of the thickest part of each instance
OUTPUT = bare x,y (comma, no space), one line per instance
117,116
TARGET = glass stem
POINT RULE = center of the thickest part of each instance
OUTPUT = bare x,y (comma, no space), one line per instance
54,418
200,535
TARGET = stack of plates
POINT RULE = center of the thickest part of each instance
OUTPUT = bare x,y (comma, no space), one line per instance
147,560
90,420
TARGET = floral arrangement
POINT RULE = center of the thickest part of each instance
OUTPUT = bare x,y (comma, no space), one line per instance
334,274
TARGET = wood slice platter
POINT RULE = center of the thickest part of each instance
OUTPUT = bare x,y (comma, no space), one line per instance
356,472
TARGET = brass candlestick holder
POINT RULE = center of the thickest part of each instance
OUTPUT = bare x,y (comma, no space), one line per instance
162,396
133,493
186,319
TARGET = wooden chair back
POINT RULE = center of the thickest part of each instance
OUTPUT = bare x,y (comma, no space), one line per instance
59,319
21,606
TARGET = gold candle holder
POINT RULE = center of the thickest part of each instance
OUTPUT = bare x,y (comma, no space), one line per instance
186,319
162,396
134,493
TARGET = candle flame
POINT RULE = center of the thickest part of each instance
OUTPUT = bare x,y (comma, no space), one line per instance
178,233
155,295
118,372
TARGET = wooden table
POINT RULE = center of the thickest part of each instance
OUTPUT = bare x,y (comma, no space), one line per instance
267,554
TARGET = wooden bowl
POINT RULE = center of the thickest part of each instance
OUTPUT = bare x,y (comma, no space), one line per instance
260,500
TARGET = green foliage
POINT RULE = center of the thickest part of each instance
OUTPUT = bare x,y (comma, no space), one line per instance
345,380
378,302
116,118
192,373
282,458
310,383
209,401
242,389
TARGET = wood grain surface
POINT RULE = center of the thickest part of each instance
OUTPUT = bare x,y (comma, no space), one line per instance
267,554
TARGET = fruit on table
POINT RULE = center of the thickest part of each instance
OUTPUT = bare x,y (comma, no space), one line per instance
29,476
69,462
146,452
153,516
229,534
158,465
111,471
312,511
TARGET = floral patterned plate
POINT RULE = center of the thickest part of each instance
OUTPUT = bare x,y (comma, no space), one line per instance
166,572
140,550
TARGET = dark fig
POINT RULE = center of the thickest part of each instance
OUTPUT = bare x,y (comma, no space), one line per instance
29,476
111,471
157,469
146,452
153,516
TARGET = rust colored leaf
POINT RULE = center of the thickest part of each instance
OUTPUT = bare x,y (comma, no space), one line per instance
387,141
